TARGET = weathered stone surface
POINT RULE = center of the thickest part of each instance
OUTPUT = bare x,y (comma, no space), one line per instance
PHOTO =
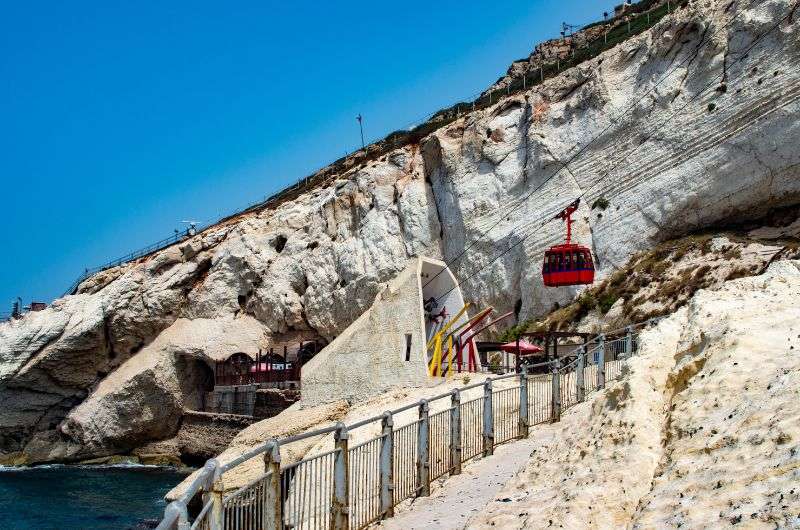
647,125
701,430
145,398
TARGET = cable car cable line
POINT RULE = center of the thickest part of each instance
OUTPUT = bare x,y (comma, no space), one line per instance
742,56
655,129
612,122
793,91
565,165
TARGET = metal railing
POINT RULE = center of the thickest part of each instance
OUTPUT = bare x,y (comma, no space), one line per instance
354,486
280,373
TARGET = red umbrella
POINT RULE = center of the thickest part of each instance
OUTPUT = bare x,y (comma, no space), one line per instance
525,348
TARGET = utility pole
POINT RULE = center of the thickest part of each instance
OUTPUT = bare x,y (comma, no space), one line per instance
361,127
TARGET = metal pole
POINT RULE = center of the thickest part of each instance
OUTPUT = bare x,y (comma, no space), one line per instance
541,73
423,458
340,503
555,348
524,422
628,341
361,128
601,362
555,409
455,432
488,419
580,391
183,515
629,25
273,503
387,465
217,517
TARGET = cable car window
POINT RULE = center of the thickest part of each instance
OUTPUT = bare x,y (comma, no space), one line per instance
581,260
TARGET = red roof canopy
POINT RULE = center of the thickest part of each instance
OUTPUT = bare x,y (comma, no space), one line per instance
525,348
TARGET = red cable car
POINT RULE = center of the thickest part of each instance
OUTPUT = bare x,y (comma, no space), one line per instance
568,264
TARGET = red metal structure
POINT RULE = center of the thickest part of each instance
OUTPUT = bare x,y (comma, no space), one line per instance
468,342
569,263
240,369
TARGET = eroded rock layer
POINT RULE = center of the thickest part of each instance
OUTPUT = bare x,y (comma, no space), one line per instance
688,124
701,431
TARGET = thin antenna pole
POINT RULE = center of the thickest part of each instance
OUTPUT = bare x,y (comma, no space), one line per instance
361,128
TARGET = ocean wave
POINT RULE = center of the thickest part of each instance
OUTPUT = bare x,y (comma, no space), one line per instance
119,465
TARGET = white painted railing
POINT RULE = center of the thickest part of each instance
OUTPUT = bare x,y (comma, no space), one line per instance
354,485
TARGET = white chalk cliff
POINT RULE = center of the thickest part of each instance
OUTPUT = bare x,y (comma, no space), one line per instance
701,430
686,125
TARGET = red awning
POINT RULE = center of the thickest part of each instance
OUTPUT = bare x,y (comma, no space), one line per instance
525,348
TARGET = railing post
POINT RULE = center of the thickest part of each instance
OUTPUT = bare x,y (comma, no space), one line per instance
423,456
455,432
181,518
488,419
555,409
216,518
601,361
183,515
387,465
580,390
215,514
524,420
628,341
273,508
340,505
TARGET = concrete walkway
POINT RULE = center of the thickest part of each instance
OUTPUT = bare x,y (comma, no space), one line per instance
458,498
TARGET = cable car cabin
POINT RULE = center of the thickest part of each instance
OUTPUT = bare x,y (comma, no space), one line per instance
567,265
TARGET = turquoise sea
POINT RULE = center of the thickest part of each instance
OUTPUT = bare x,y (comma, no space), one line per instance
84,497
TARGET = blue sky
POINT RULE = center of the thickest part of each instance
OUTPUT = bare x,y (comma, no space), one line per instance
122,119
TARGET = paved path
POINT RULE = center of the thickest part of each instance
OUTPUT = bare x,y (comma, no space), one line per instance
451,505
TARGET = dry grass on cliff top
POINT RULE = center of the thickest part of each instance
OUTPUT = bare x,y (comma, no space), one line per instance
659,281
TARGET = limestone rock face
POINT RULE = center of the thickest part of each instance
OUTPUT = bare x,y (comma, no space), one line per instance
145,398
686,125
701,431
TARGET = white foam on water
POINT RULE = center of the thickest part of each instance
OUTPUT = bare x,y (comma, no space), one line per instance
121,465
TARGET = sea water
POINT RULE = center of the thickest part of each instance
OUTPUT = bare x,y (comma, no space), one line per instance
84,497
